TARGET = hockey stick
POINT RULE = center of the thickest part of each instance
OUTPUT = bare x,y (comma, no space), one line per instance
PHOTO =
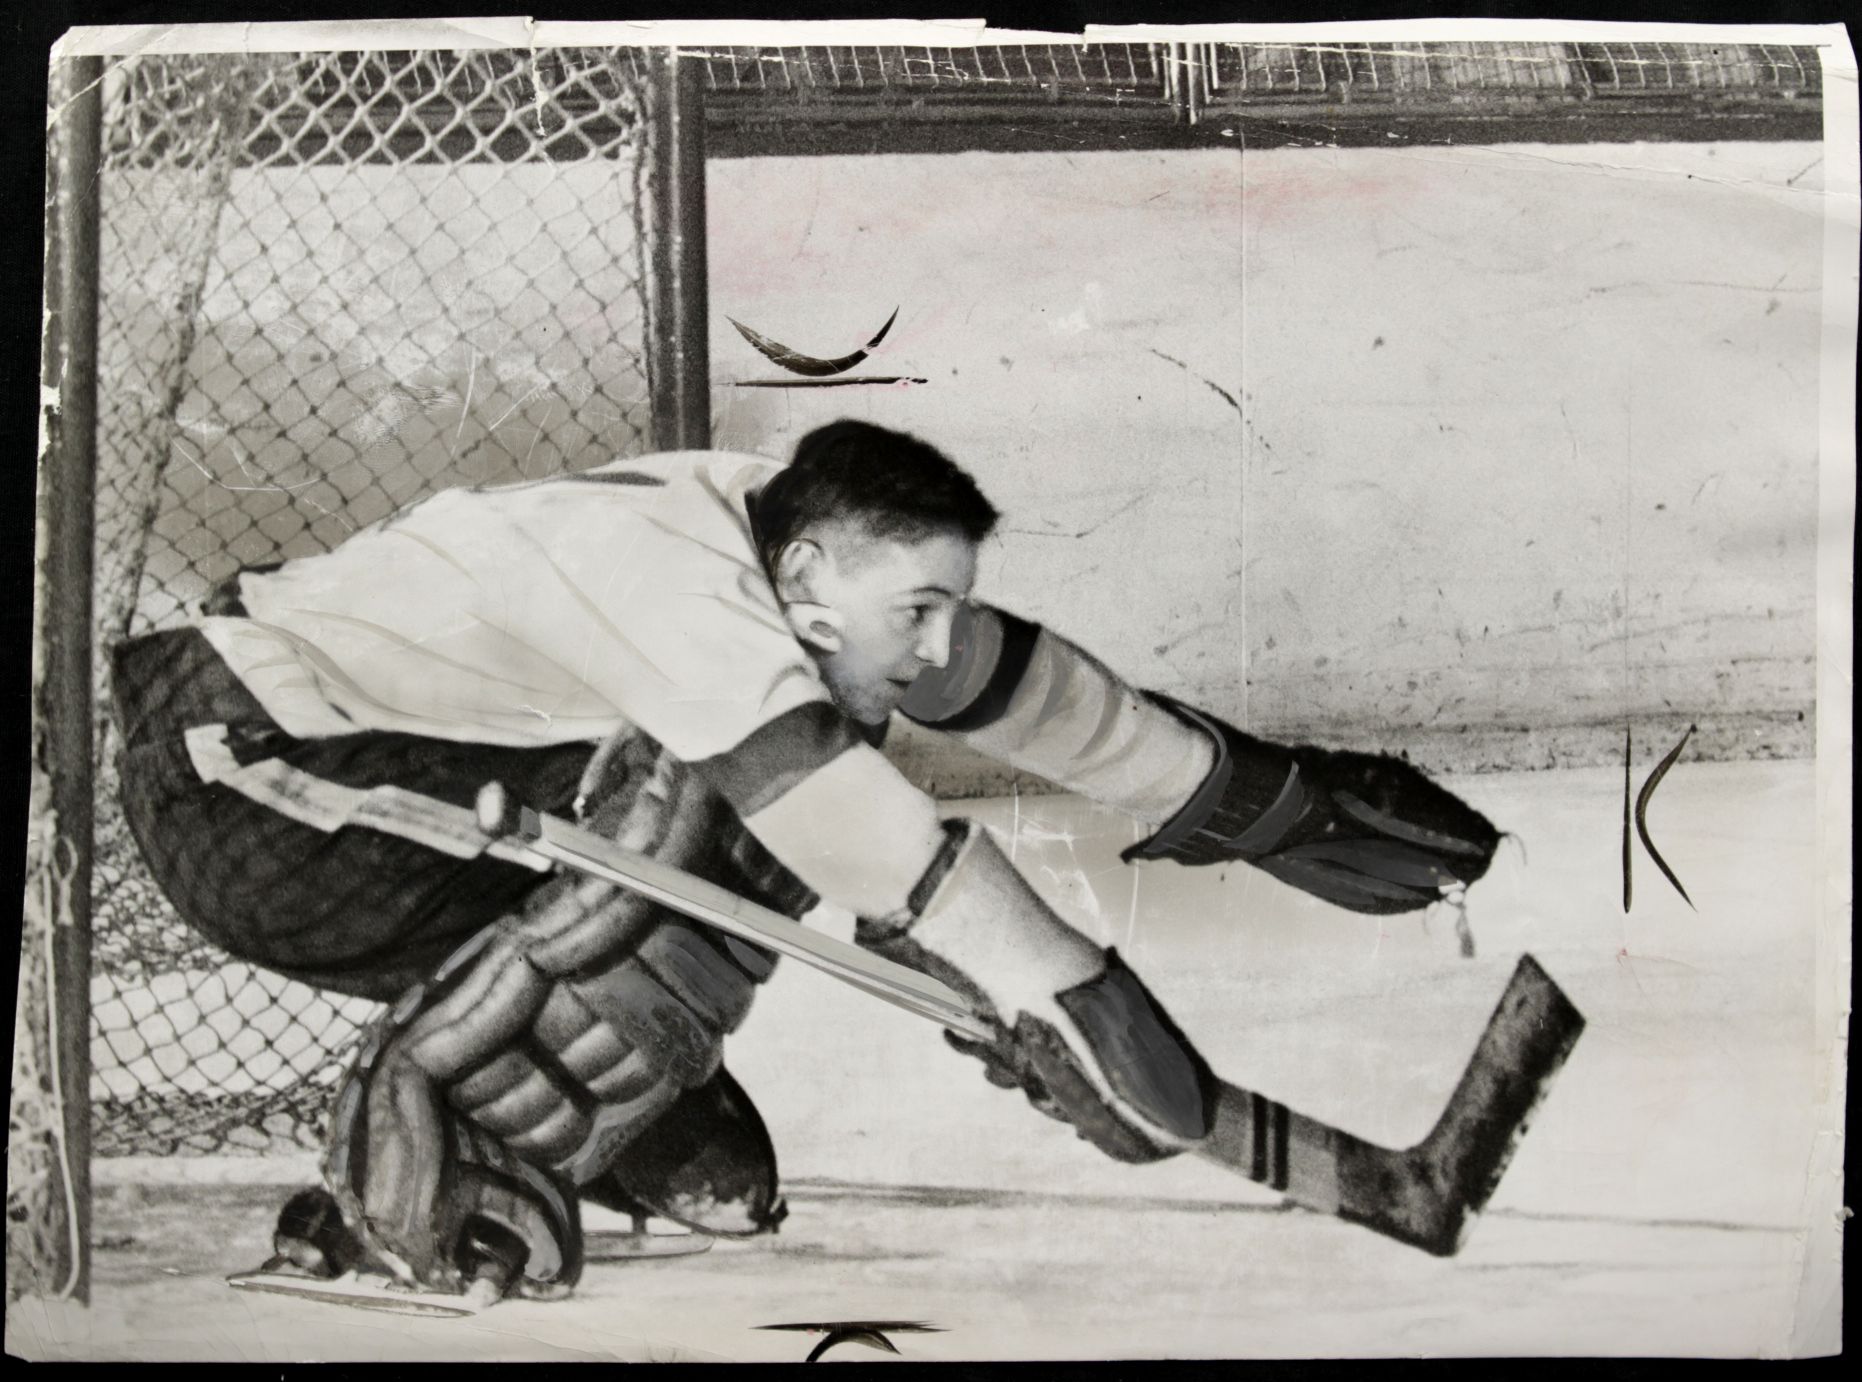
1426,1196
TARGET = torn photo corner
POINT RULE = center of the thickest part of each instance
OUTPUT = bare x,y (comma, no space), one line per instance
1310,559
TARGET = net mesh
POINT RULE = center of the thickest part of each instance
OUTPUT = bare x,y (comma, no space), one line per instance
331,284
1240,71
1162,75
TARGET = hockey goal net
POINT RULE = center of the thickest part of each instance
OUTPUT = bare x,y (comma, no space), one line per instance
333,283
330,284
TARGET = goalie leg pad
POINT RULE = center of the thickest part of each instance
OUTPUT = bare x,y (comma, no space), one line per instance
703,977
542,1049
593,1054
535,1111
476,1012
415,1180
646,1015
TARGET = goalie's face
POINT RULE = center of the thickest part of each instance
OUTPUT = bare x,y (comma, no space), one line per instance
874,611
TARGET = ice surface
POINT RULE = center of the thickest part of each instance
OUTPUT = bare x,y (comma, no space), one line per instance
1657,1205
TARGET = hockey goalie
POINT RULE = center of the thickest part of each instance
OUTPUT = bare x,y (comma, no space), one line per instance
695,655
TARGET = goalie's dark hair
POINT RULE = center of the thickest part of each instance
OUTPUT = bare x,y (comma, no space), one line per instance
894,485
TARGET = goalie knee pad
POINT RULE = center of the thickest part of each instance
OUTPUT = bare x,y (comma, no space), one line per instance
1074,1028
1364,831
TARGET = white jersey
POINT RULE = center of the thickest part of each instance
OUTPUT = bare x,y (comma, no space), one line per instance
567,609
536,614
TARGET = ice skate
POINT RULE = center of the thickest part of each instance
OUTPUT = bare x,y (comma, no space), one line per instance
611,1235
316,1258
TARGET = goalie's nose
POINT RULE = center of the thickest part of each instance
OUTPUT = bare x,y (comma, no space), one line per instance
933,646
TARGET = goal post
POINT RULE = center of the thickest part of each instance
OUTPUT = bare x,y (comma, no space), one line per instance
675,152
289,294
48,1115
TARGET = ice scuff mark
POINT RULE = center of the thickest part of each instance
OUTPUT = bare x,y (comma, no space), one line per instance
1514,151
1084,317
1227,397
465,407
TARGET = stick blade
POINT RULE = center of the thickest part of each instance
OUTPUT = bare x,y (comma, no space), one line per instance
1448,1177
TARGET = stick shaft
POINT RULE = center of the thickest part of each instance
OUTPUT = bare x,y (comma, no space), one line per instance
692,896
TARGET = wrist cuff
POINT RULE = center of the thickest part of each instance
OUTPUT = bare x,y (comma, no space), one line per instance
1252,797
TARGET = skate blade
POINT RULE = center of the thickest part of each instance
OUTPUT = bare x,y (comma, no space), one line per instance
622,1246
360,1293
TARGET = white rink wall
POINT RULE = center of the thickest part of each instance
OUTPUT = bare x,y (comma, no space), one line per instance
1474,452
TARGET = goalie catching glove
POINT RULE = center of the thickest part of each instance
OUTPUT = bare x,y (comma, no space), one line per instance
1364,831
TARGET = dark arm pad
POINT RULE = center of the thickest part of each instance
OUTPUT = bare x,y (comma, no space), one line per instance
1365,831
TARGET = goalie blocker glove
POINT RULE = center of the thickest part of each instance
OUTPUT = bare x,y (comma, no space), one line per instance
1364,831
1074,1028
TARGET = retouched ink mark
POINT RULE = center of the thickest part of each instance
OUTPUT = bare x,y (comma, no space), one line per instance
1628,850
872,1333
1642,810
797,363
824,383
1640,816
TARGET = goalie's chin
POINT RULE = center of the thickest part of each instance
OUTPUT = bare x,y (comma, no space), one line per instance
871,706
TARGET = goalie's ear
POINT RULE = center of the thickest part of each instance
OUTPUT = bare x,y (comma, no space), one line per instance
799,569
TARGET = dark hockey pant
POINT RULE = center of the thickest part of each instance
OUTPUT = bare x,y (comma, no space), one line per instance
358,911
